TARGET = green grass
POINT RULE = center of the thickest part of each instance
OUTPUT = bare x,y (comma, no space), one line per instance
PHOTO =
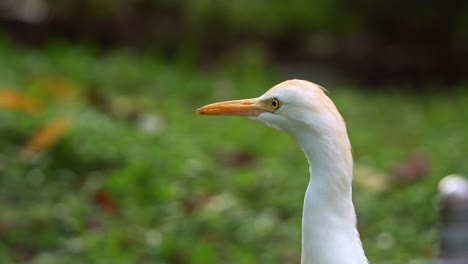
140,178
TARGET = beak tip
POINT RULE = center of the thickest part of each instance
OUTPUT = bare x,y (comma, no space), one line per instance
200,111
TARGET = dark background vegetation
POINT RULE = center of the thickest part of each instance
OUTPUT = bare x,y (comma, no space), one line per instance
375,42
103,160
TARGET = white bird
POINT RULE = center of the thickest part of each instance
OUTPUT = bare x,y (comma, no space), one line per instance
303,110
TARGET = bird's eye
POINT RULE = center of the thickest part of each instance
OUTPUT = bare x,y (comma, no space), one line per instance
275,103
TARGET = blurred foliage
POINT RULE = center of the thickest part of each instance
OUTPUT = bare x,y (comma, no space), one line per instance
243,15
239,15
371,41
129,173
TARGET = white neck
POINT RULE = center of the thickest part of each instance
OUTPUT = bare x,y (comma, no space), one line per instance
329,233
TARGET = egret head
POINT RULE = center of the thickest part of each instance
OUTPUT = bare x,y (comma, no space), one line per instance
293,106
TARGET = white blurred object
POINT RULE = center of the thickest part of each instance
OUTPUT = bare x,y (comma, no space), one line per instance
151,123
30,11
453,220
454,185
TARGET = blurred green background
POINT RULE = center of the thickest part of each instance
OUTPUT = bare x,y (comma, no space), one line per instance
103,159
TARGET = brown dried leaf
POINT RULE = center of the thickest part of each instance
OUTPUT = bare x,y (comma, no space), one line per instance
16,101
47,135
413,168
98,99
371,179
193,204
58,88
105,201
241,158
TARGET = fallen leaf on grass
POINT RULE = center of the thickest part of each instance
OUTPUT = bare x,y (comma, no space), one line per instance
55,87
47,135
413,168
371,179
17,101
104,201
193,204
98,99
241,158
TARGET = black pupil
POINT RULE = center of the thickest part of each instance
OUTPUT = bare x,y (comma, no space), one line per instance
274,103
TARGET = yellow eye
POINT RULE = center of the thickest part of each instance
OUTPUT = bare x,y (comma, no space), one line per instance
275,103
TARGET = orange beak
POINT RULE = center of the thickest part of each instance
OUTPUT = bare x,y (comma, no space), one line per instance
245,107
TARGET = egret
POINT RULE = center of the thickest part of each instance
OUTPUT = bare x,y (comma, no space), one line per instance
303,110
